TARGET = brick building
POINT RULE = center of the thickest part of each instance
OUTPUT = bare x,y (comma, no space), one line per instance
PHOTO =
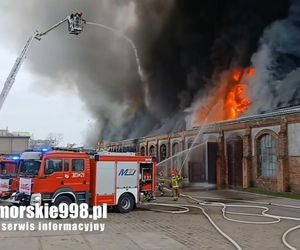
261,150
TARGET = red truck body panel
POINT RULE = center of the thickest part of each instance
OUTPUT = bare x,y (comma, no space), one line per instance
96,179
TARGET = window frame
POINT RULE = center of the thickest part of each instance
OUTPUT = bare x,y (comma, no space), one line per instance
53,159
68,161
152,151
72,168
163,153
267,155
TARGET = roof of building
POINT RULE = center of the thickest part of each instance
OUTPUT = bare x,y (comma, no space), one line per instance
280,112
276,113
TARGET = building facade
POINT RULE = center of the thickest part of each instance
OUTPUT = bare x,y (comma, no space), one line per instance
256,151
12,142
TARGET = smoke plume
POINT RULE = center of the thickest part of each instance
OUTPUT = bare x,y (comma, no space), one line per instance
183,46
276,83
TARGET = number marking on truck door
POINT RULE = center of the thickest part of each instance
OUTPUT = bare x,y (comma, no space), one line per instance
78,175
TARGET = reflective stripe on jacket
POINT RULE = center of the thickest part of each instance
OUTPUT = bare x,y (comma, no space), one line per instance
175,181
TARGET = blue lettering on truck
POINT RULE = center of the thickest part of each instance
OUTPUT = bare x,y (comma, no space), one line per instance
127,171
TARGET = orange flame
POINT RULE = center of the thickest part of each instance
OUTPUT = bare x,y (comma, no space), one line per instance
231,93
237,75
236,101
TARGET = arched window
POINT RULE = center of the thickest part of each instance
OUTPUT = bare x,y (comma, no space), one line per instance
163,152
190,143
176,159
152,150
267,155
143,151
175,148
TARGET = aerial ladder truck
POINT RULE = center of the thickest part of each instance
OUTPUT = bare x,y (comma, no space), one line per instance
75,26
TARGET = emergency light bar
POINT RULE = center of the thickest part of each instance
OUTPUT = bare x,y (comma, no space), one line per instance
116,153
42,150
31,155
10,157
76,150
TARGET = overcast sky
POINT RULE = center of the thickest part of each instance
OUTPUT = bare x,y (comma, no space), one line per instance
29,108
75,85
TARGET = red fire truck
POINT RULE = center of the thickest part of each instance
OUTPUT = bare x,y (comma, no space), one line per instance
8,172
117,179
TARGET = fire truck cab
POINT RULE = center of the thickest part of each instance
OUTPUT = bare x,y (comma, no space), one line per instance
8,173
117,179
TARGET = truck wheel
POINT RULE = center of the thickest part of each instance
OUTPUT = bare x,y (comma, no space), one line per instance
61,200
126,203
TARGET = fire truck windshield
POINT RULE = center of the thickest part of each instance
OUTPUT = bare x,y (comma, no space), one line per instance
29,168
8,169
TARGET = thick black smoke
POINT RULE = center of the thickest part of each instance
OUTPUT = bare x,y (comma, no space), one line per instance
182,46
277,80
197,41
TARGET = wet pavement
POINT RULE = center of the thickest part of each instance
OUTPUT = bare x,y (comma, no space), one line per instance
146,229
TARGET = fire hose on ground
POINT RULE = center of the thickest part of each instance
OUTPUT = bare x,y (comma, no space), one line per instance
202,201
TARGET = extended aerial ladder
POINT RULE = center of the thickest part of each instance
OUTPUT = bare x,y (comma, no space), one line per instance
75,26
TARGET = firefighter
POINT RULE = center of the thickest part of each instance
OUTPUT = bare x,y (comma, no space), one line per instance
71,22
176,178
161,183
75,23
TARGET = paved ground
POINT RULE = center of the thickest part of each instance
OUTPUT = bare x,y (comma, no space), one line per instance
143,229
